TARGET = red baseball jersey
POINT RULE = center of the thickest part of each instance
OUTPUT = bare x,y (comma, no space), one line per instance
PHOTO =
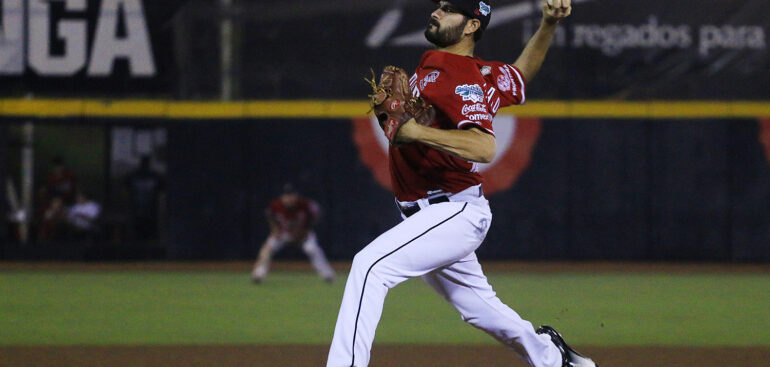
296,219
466,92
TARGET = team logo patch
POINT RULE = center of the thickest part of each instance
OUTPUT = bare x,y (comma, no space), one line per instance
503,83
508,80
430,78
484,8
471,93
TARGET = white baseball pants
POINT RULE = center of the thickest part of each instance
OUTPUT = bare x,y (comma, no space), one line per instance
437,243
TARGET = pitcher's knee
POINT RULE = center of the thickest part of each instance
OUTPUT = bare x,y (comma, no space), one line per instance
376,268
362,261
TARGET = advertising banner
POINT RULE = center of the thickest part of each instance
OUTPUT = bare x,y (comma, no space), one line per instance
86,47
656,49
688,49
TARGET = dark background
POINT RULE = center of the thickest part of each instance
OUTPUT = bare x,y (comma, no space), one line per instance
640,189
630,189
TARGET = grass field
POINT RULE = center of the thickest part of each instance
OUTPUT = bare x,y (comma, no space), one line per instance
214,307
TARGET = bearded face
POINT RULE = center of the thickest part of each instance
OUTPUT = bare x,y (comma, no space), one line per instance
444,36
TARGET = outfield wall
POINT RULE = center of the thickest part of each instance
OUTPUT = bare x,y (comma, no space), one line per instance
592,180
594,189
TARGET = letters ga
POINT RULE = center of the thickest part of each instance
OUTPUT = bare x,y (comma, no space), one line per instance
72,33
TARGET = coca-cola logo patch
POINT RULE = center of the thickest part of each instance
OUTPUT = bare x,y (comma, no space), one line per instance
471,108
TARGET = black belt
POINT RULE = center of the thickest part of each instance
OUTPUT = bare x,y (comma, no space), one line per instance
408,211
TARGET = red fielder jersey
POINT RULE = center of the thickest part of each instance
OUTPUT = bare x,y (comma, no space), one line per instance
466,92
295,220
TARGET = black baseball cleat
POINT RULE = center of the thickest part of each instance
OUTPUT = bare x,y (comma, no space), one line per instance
570,358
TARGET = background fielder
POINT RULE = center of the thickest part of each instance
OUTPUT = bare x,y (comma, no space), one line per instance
291,218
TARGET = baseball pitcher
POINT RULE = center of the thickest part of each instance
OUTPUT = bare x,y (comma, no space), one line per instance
439,124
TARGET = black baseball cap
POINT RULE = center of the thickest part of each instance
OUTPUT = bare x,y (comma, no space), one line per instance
476,9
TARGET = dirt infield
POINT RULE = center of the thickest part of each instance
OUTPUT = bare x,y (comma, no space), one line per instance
382,356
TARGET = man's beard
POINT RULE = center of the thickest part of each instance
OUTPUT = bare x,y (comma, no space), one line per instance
444,37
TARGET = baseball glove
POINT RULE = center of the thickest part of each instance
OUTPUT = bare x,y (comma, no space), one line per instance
393,104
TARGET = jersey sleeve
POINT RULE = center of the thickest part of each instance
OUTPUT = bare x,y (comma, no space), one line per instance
467,105
510,82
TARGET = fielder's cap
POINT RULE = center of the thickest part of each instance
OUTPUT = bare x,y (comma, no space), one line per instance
476,9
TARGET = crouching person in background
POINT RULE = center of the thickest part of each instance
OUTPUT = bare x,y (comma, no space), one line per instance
291,218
